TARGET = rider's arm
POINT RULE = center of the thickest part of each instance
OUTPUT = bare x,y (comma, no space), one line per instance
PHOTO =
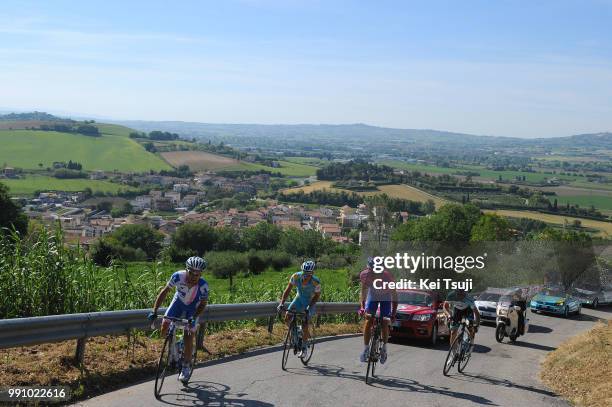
160,298
446,308
363,295
286,293
314,299
200,309
476,315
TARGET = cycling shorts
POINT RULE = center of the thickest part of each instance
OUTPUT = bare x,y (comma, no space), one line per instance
385,308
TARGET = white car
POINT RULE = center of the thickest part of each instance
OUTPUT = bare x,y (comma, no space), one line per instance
487,303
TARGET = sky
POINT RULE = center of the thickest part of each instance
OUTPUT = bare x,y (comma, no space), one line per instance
505,68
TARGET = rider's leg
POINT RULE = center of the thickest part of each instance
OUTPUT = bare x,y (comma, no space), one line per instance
367,329
385,330
188,340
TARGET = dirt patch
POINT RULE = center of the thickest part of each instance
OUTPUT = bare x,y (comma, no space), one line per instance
580,369
112,362
198,160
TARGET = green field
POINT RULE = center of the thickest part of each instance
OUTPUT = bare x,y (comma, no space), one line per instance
27,186
585,201
289,169
419,167
27,148
114,129
268,285
316,162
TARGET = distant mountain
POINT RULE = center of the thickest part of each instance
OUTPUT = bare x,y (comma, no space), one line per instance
361,132
36,116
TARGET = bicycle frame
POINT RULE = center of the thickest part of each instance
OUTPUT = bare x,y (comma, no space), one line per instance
295,340
374,346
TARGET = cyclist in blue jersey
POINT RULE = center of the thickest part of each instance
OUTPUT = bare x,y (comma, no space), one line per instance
189,302
308,288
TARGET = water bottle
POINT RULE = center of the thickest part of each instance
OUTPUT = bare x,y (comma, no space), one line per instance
298,340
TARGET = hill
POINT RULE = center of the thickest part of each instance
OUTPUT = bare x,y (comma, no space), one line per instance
111,151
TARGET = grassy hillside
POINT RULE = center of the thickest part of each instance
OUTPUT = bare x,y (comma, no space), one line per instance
580,369
27,148
27,186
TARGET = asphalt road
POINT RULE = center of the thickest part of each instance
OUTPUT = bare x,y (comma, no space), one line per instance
497,375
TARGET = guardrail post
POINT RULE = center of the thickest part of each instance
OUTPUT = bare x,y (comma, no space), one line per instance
200,336
80,351
270,324
318,323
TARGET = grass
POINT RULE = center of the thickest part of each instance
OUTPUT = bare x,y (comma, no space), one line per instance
114,129
585,201
39,275
314,161
604,228
289,169
27,186
27,148
580,369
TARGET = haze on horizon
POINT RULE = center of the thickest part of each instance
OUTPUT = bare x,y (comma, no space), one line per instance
512,68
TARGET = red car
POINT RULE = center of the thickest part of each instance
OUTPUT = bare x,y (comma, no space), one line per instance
420,315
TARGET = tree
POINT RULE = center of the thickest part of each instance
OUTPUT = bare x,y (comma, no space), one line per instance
140,237
491,227
196,237
10,213
227,239
263,236
227,265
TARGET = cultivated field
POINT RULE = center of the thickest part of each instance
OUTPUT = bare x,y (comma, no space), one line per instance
198,160
605,228
395,191
27,186
407,192
29,148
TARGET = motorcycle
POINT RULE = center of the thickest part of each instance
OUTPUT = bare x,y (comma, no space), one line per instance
508,322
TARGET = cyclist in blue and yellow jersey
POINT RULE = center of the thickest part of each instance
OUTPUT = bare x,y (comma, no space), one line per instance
459,304
308,288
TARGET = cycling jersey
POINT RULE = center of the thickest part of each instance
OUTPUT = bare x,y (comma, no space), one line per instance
186,299
188,295
460,308
305,291
377,296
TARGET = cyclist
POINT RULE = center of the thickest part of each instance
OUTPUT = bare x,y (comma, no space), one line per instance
459,304
189,302
308,288
371,299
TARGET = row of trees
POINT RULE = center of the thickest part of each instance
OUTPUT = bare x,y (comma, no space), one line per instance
84,129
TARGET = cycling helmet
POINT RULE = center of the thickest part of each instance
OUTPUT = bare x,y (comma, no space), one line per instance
308,266
196,263
370,262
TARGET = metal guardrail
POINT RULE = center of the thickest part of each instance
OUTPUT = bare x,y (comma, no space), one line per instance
55,328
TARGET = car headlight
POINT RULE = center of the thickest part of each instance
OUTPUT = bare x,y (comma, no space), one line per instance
534,303
560,302
421,317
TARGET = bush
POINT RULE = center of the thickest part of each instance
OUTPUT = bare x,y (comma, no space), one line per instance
227,264
258,261
280,260
106,251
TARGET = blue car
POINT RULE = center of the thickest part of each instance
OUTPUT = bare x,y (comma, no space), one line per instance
555,301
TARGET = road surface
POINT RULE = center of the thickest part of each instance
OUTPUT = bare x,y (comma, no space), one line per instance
497,375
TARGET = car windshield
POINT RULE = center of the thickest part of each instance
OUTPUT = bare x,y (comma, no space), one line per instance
414,299
489,297
553,292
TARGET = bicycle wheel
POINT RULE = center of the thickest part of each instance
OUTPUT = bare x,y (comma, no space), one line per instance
163,367
372,358
310,345
451,356
465,357
288,346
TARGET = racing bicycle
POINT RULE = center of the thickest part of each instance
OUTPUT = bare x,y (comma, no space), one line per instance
171,357
461,348
295,339
374,348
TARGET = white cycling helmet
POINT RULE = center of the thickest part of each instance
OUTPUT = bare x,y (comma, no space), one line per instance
196,263
308,266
